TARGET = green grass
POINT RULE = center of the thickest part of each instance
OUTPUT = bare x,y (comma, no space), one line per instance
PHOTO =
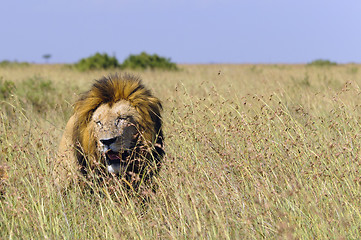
252,152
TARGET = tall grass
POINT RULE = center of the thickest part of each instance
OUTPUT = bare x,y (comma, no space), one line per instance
251,152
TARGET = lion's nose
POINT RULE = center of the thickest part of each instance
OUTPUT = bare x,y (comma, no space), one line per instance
108,141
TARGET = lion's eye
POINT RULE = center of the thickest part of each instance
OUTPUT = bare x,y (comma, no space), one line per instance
99,123
120,119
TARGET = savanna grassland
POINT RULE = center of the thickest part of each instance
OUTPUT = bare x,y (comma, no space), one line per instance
252,152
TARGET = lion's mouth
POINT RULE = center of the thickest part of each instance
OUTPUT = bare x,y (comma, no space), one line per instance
116,157
112,157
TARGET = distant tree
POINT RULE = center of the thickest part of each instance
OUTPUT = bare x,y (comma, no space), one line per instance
47,57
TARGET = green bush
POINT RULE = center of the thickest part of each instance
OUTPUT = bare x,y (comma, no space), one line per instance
37,91
7,63
321,63
6,88
147,61
97,62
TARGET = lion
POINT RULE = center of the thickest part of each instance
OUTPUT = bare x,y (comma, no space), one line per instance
115,131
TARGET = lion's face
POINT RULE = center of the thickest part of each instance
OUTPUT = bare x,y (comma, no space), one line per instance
116,132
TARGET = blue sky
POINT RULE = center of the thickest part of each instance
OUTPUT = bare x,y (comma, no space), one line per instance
187,31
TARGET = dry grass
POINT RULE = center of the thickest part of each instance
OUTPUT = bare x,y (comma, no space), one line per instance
252,152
